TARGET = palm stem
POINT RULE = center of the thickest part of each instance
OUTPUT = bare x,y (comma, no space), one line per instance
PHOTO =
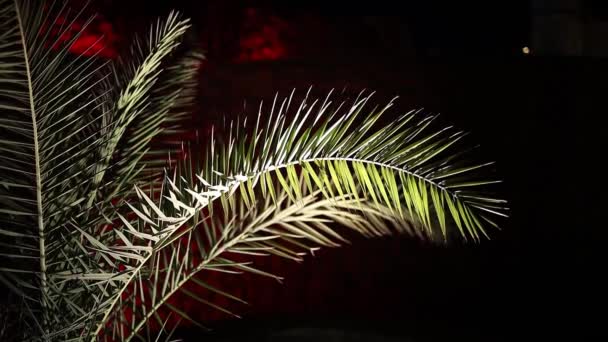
41,240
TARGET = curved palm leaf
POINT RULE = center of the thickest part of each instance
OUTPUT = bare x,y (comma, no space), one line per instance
362,185
144,103
165,111
405,165
189,244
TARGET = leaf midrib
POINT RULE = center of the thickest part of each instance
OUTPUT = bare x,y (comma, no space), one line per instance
354,160
41,239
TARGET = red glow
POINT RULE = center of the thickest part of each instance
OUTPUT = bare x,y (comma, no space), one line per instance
96,39
99,40
263,38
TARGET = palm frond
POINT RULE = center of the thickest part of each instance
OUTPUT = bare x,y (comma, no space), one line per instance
59,130
146,145
191,244
406,165
257,187
142,104
43,97
154,226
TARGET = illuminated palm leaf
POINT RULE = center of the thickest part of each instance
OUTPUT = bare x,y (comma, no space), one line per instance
283,192
406,165
189,244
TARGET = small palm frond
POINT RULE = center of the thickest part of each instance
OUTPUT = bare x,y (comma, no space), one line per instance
140,108
405,165
190,244
146,146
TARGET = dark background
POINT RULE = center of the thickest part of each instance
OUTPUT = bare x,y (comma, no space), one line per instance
539,115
